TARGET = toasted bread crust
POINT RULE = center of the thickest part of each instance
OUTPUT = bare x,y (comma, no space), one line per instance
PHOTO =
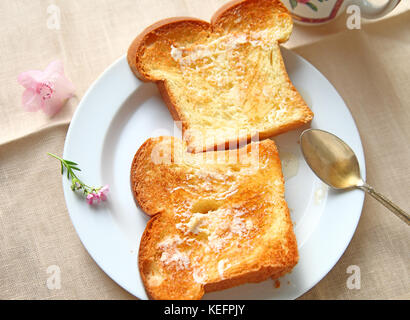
228,7
169,192
170,103
220,20
134,50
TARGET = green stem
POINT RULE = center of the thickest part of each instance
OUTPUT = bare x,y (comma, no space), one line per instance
71,172
53,155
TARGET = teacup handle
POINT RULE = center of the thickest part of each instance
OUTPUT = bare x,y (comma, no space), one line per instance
370,11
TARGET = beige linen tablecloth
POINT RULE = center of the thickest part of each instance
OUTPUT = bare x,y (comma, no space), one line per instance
369,67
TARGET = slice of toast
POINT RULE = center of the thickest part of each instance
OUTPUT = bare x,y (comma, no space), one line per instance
224,80
218,219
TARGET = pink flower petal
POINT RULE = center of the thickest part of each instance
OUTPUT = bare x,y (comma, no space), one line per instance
31,100
105,189
103,192
61,91
90,198
30,79
102,196
55,66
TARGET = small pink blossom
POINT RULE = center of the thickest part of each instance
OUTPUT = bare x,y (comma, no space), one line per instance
98,196
102,193
90,198
47,90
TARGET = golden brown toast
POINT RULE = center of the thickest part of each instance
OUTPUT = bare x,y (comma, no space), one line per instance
218,219
224,80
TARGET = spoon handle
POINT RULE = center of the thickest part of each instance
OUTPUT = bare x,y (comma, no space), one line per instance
387,203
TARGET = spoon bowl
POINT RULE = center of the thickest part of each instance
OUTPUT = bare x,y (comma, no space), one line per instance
331,159
335,163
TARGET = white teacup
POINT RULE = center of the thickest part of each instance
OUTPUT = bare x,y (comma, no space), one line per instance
322,11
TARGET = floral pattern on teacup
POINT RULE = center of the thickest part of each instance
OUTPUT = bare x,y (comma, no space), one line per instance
309,3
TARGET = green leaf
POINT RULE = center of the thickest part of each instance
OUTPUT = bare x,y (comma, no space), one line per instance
71,162
293,3
75,168
62,168
312,6
320,0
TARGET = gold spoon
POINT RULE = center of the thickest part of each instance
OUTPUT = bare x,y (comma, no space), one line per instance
335,163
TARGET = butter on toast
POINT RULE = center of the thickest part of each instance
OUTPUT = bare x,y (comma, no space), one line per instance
224,80
218,219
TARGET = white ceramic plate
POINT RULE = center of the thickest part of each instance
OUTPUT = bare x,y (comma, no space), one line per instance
118,113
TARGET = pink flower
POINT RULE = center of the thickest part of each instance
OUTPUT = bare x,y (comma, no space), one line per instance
47,90
102,193
91,197
98,196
